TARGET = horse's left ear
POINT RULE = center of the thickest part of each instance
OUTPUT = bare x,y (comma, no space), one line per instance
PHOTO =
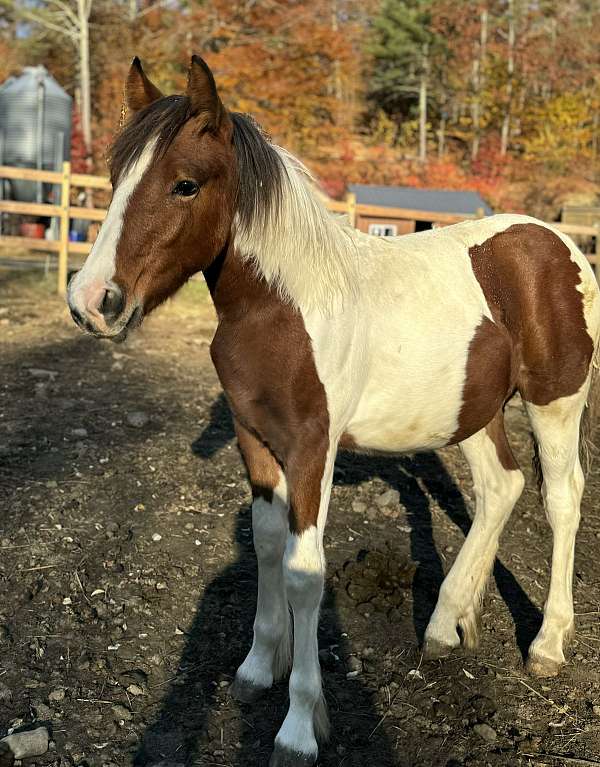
202,93
140,92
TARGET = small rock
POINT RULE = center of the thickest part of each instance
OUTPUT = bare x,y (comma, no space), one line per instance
41,373
596,710
485,732
529,744
5,693
388,498
42,711
137,418
121,713
28,743
156,537
134,689
56,695
79,432
359,507
354,664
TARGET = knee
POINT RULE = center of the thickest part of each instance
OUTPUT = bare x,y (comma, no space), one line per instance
304,568
269,529
507,487
516,485
561,502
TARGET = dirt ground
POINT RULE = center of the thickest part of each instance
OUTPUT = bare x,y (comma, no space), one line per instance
127,575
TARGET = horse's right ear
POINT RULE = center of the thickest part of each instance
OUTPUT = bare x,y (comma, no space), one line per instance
139,91
202,93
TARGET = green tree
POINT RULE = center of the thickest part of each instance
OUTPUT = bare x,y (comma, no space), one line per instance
405,52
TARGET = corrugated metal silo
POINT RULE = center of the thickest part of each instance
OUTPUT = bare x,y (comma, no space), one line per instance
35,127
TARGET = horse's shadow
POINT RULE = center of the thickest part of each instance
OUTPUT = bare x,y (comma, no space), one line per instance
184,733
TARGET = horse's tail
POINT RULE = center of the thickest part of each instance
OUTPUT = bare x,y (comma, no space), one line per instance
589,427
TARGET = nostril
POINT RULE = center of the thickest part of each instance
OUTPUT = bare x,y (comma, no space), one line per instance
112,303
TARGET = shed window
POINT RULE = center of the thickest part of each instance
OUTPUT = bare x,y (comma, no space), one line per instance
383,230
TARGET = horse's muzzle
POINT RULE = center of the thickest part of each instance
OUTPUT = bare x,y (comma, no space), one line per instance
100,308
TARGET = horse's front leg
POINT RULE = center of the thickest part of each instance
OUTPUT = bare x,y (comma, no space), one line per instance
309,473
270,655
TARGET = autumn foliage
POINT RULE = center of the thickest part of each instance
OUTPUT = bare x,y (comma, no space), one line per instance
512,86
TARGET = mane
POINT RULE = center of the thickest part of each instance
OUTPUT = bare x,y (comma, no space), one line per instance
281,225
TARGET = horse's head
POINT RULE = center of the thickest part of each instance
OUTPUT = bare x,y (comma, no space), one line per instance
175,177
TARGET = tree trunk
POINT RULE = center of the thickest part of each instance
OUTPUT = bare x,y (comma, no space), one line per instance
423,104
505,135
336,84
478,83
337,79
83,13
442,137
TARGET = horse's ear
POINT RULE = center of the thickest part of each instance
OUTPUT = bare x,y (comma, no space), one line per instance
139,91
202,93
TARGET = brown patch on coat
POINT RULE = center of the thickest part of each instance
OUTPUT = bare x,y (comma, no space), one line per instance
263,470
495,431
530,283
264,358
538,342
489,378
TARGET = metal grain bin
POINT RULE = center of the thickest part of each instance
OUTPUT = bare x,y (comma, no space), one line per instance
35,128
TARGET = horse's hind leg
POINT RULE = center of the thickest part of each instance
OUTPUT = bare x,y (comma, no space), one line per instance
270,655
556,430
498,483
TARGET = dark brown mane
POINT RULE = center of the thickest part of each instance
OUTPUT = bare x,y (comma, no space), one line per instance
260,170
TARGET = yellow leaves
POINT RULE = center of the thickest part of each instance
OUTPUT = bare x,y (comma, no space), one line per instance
559,130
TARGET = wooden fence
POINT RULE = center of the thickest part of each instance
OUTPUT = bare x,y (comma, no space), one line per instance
65,211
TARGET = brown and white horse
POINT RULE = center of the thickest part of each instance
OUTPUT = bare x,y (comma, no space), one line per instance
328,337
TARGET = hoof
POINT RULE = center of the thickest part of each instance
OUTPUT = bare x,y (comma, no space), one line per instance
542,667
286,757
434,649
246,692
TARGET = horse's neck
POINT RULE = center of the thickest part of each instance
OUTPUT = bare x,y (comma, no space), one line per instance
236,287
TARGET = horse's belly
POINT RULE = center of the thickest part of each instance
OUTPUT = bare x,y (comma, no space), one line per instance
404,416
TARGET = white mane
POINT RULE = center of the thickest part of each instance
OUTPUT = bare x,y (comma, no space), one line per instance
306,253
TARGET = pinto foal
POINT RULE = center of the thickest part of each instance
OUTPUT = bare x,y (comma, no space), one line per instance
328,337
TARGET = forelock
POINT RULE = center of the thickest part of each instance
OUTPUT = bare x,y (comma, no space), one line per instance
160,122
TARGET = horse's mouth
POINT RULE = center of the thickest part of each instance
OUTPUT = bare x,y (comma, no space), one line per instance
119,332
134,321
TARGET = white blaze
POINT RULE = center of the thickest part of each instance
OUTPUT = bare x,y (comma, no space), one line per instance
99,266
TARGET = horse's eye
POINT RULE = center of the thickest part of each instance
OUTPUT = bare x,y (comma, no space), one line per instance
185,188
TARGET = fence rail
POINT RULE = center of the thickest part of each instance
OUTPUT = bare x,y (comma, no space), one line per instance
64,212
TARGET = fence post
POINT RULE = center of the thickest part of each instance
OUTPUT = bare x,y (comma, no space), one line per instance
351,202
63,253
596,265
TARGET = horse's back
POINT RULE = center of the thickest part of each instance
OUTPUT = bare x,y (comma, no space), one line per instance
460,319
